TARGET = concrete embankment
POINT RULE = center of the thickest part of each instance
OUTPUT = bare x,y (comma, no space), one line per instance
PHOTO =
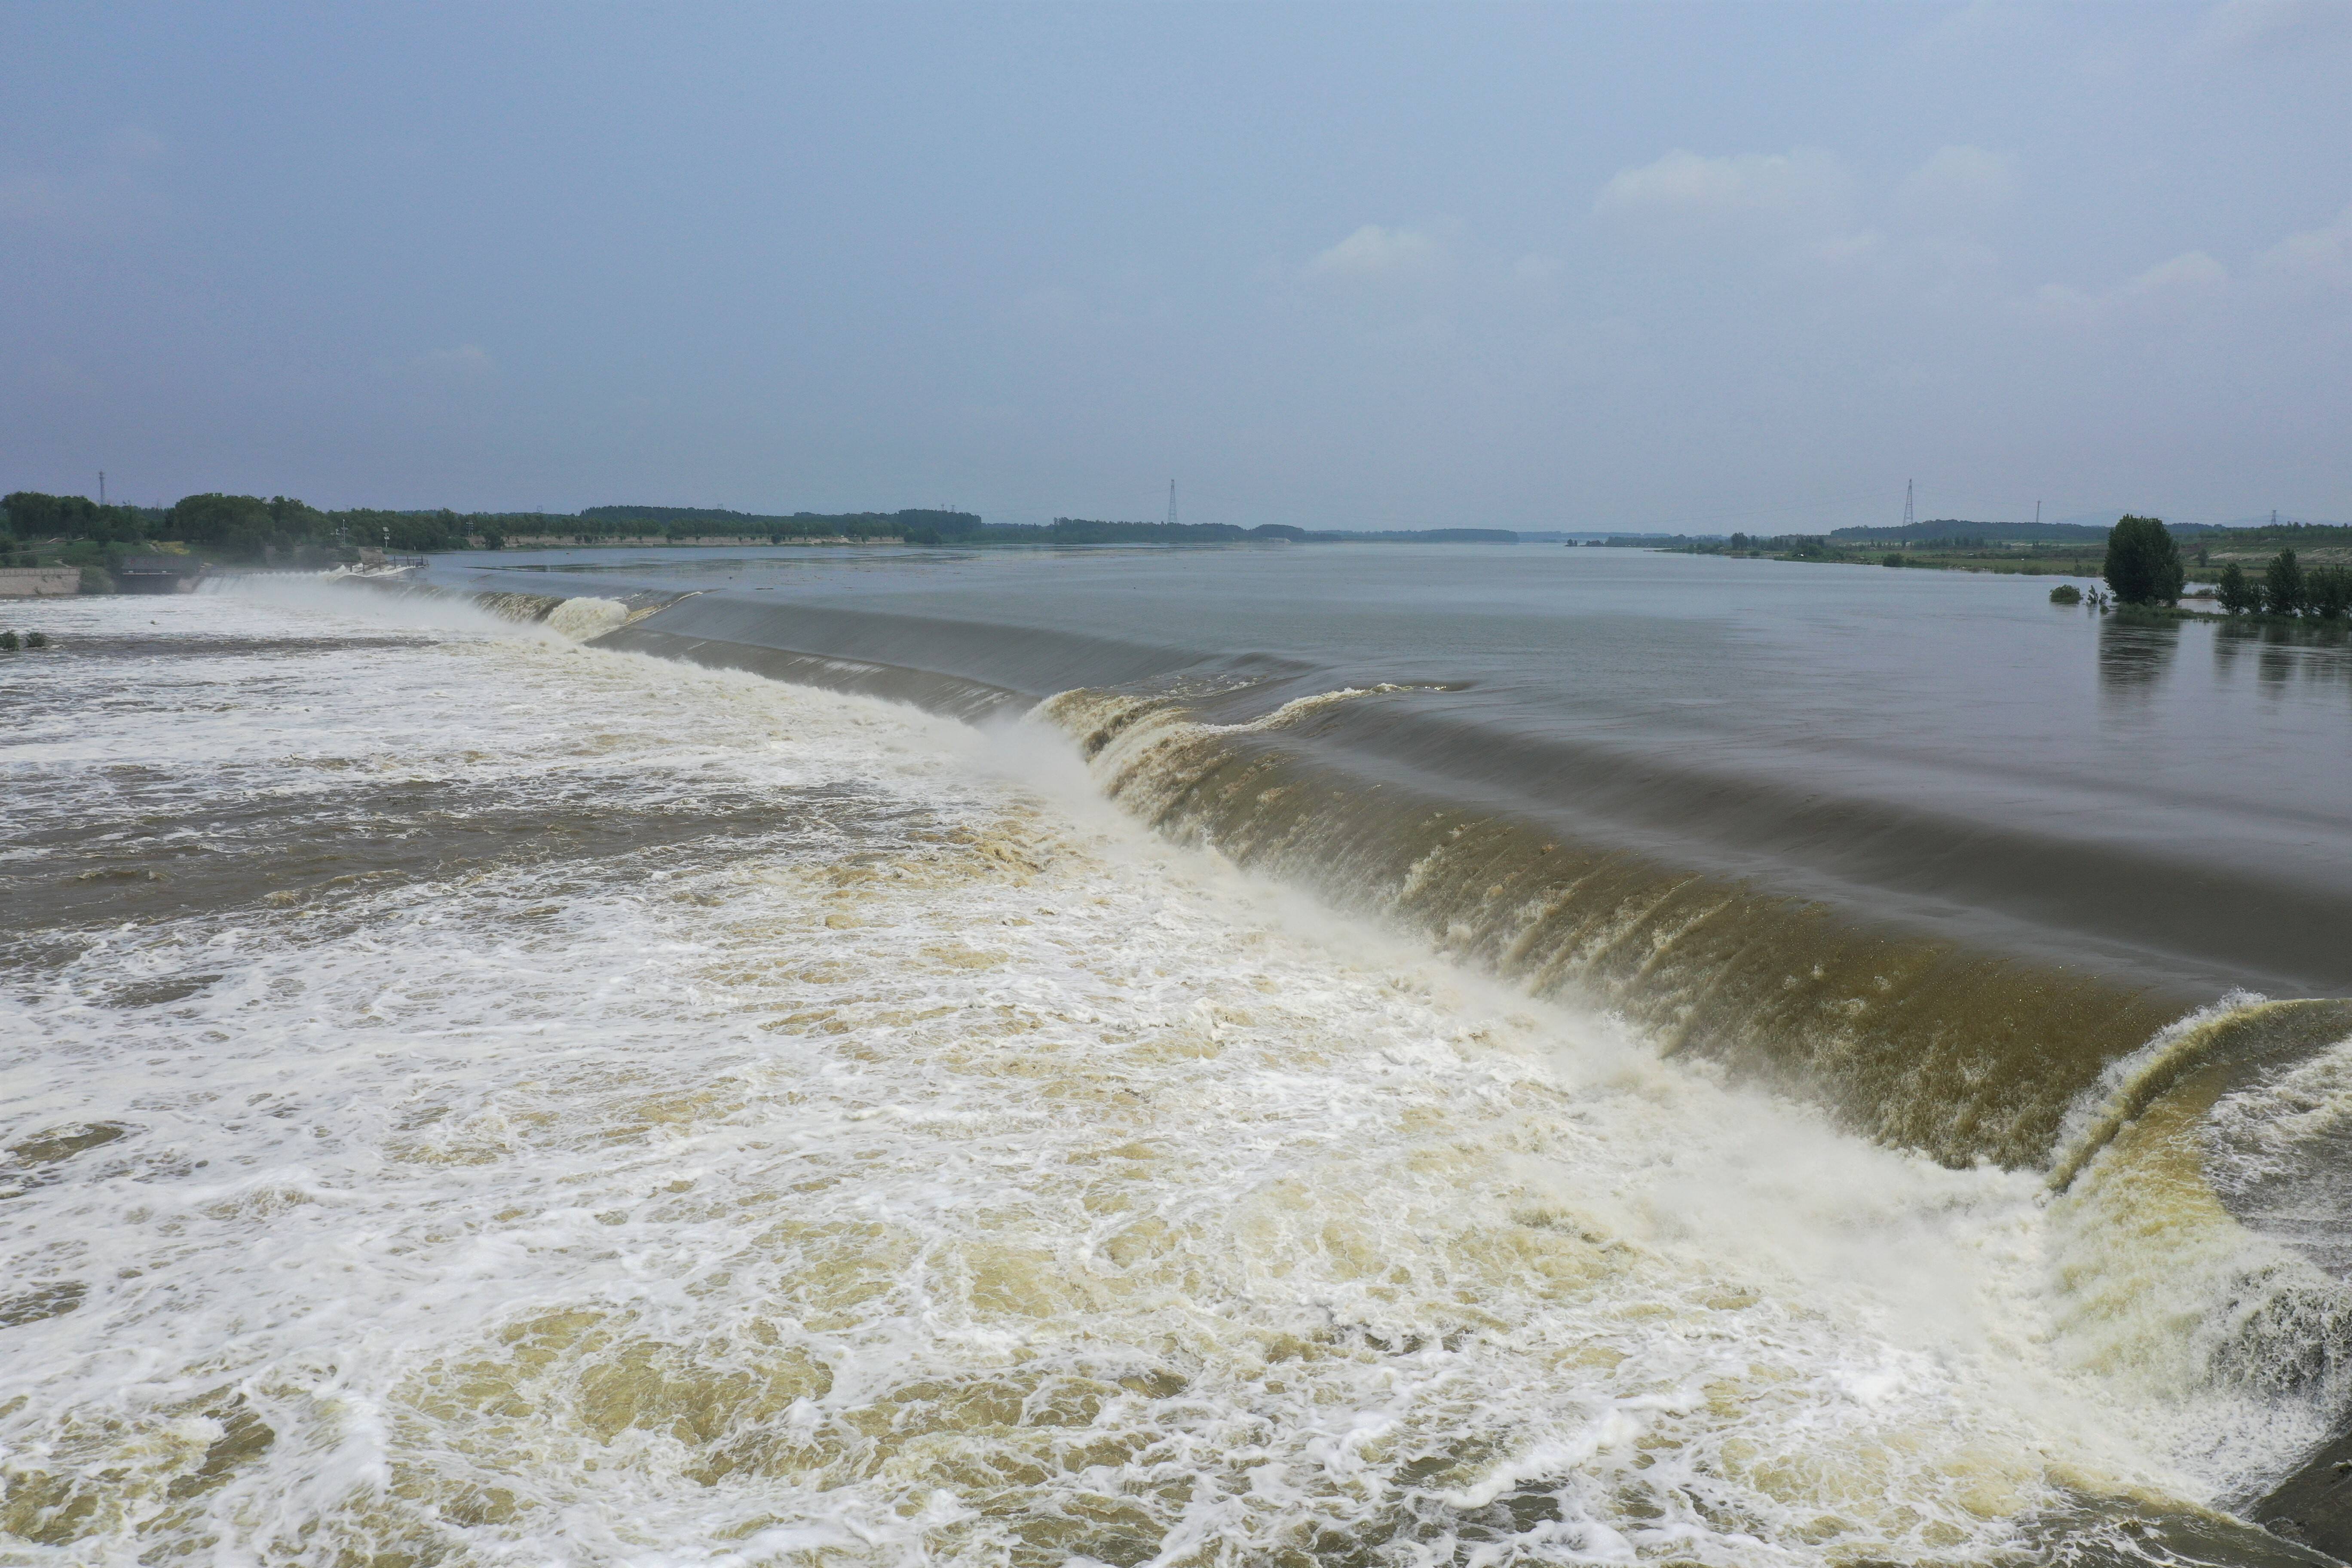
38,582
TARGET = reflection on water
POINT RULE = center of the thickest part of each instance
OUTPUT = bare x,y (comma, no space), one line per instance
2135,655
2284,653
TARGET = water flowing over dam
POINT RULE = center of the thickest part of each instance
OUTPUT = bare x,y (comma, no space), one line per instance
1383,1056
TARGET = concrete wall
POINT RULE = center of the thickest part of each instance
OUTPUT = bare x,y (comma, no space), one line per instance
38,582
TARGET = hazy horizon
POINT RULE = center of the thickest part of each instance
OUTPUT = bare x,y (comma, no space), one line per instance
1655,269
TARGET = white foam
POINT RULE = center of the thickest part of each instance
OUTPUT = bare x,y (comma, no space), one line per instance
583,618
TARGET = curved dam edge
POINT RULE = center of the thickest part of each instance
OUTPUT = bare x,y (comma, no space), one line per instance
2015,885
954,696
2201,1061
2234,1042
2166,912
1914,1041
1966,1051
1911,1039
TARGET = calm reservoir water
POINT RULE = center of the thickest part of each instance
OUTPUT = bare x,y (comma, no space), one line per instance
1367,1054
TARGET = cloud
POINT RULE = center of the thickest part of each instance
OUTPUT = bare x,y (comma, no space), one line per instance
1376,252
2190,273
1956,188
2242,28
2316,258
2187,282
465,363
1800,189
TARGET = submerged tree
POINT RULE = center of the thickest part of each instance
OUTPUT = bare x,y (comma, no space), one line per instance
2143,564
2282,589
2236,591
2327,592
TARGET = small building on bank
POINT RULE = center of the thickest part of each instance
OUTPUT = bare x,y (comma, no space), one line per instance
158,573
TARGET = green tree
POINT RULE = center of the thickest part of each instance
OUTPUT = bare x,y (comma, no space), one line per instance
297,520
237,525
2327,592
2283,586
2236,591
32,515
2143,563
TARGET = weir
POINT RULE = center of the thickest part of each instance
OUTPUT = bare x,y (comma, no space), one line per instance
2106,1081
1915,1038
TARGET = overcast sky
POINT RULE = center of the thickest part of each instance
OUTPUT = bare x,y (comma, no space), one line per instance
1607,266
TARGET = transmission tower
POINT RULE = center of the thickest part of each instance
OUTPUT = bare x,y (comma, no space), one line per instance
1908,518
1172,504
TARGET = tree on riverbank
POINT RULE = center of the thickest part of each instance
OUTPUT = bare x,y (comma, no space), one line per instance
2327,593
2143,564
2282,584
2286,588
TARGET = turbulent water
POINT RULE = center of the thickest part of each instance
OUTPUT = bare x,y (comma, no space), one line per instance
476,1096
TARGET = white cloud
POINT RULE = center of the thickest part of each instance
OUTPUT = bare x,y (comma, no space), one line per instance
1804,188
1856,249
2318,258
2187,282
1376,252
2248,28
467,362
1956,188
2192,273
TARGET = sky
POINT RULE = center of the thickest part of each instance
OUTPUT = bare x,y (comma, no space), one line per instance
1680,267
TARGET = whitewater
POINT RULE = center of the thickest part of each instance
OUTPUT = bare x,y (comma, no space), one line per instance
476,1096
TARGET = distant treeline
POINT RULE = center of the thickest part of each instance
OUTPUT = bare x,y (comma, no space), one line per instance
705,522
2291,535
234,527
1094,531
247,528
1089,530
1421,536
1958,531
